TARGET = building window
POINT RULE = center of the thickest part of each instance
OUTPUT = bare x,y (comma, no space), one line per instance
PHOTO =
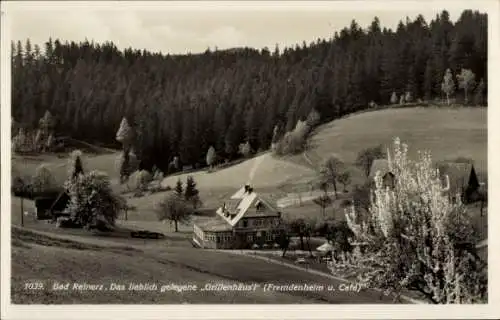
249,237
245,223
269,236
259,206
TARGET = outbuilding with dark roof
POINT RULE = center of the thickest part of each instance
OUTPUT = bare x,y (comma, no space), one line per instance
382,166
463,179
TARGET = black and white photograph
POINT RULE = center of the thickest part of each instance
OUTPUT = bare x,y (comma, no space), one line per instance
250,154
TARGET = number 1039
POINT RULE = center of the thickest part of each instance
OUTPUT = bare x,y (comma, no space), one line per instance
33,286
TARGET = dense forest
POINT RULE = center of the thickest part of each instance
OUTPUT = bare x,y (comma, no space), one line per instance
180,105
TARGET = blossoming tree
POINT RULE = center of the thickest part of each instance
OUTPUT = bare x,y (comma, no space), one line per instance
418,239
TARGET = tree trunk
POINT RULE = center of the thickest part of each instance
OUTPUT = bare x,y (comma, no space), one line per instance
22,211
448,98
466,98
176,227
309,246
335,188
301,242
367,168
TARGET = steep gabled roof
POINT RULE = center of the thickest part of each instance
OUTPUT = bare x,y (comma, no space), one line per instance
213,224
243,207
61,201
245,201
240,194
231,205
381,165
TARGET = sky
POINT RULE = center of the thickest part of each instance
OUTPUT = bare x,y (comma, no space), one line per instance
192,26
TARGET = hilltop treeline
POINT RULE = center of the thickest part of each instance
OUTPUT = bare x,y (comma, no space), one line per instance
180,105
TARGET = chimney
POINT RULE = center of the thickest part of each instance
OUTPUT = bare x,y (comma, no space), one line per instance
250,190
247,188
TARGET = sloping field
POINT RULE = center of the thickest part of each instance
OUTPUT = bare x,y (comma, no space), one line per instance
263,172
448,133
27,165
54,259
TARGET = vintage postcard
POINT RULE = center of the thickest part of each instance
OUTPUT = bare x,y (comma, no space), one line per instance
249,159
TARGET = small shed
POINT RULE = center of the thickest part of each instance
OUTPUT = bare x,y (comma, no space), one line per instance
382,166
51,206
463,180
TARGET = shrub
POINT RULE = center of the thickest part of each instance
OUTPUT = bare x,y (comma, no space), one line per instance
43,180
417,238
245,149
92,201
294,141
313,119
21,186
211,156
408,96
142,180
126,164
394,98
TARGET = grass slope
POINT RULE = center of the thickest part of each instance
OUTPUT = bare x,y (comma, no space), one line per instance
51,259
267,170
447,132
58,165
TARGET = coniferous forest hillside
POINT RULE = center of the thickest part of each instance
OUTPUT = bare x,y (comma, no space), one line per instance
180,105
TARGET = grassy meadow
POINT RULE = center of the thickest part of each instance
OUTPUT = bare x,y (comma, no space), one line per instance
447,132
52,258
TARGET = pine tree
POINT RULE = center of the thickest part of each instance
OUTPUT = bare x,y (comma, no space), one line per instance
479,94
252,127
20,142
191,194
75,165
428,81
230,97
179,188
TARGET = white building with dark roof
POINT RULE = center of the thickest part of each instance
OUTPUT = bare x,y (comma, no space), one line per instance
245,219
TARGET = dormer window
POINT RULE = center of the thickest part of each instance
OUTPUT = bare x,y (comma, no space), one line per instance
259,205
